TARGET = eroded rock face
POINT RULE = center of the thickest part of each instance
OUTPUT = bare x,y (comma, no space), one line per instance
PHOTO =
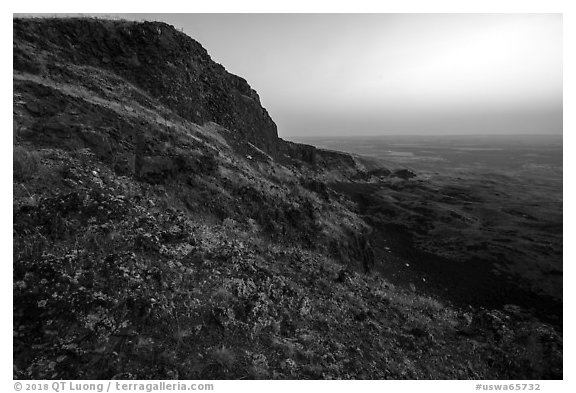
404,174
169,67
155,57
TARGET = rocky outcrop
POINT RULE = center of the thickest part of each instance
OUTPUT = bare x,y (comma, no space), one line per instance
162,61
172,68
404,174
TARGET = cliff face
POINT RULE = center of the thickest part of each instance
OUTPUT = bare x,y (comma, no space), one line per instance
155,57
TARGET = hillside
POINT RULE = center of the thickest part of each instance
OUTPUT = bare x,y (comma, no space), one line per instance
162,229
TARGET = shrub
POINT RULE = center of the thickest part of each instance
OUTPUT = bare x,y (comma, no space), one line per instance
25,163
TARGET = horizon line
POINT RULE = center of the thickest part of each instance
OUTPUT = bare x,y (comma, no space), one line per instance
419,135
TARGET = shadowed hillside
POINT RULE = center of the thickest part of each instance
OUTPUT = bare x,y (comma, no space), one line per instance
163,230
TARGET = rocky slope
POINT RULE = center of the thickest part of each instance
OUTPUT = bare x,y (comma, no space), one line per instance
155,58
163,230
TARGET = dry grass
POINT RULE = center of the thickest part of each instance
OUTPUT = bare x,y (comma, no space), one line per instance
25,163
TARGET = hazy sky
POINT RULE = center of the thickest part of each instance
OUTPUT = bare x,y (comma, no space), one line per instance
365,74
